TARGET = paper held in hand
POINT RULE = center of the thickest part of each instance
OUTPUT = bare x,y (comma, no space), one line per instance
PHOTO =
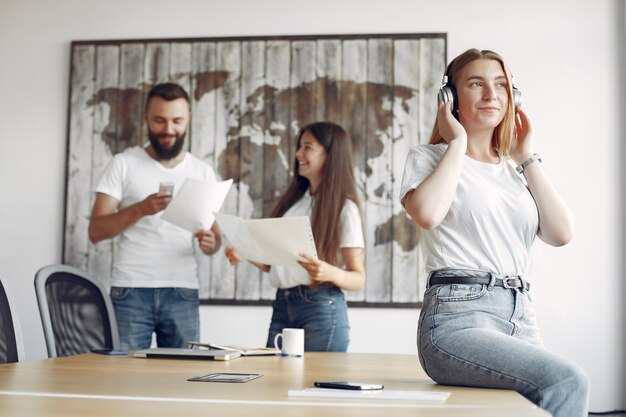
277,241
193,206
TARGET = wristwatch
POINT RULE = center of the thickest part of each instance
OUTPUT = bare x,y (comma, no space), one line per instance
534,157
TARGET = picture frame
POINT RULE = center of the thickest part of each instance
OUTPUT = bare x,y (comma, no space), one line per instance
249,97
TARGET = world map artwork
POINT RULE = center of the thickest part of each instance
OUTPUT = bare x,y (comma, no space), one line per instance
246,111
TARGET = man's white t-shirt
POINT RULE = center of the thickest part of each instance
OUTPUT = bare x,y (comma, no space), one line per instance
493,219
152,253
351,236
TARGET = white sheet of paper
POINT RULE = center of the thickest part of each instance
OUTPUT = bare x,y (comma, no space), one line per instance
235,230
193,206
276,241
282,239
384,394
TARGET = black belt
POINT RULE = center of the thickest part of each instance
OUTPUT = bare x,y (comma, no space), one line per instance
512,282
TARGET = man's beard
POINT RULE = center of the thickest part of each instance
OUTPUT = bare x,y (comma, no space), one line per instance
164,153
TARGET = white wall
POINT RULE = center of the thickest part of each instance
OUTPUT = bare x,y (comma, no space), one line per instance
566,55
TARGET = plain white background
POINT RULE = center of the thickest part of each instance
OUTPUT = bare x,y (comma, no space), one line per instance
568,58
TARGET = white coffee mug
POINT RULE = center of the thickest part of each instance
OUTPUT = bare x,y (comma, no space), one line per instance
293,342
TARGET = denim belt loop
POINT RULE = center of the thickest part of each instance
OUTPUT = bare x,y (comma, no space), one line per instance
428,279
523,281
492,281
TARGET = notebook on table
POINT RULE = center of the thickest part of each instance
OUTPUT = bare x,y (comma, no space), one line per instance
178,353
244,351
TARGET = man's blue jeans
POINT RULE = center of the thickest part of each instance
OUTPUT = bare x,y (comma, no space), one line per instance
172,313
321,311
484,336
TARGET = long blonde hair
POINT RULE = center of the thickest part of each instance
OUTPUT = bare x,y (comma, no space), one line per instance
504,133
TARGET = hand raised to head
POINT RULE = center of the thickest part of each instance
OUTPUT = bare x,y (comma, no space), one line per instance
450,128
522,145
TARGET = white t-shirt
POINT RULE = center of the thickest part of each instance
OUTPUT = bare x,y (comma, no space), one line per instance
351,236
493,219
151,253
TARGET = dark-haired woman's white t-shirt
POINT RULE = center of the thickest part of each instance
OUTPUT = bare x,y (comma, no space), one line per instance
492,221
351,236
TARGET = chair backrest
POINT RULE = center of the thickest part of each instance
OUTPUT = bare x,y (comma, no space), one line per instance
11,348
76,311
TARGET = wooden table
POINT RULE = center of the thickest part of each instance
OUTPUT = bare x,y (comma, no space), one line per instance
99,385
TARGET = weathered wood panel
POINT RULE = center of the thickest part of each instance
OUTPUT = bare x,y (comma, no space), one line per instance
251,139
104,145
277,158
353,120
156,65
303,108
277,150
130,104
432,64
180,64
155,70
378,169
81,121
405,134
328,75
223,284
249,98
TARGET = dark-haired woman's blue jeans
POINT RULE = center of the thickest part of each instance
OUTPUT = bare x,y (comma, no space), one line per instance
482,336
321,311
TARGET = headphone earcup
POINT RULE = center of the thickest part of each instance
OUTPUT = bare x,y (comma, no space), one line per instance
517,97
445,95
448,93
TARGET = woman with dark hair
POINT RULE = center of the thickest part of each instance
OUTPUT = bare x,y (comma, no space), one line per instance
479,197
324,189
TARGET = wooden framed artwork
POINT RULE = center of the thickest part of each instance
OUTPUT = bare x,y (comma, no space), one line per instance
249,97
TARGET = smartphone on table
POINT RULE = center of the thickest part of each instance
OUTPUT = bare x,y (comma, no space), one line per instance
348,385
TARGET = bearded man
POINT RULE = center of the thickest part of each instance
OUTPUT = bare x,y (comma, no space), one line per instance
154,285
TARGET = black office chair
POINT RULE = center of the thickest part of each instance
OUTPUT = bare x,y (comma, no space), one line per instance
76,311
11,348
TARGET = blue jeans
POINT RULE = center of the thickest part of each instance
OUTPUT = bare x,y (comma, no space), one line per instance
321,311
485,336
172,313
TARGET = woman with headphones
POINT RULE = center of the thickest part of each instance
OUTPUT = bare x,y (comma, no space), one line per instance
479,197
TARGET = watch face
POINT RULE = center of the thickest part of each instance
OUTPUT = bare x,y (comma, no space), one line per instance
533,158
